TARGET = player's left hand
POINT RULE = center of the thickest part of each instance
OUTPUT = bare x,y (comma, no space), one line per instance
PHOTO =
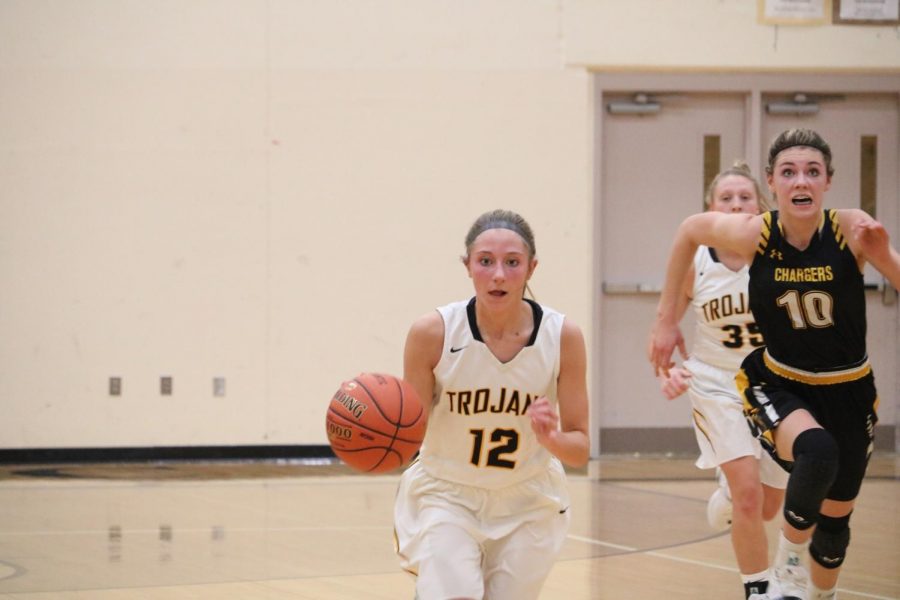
544,419
871,237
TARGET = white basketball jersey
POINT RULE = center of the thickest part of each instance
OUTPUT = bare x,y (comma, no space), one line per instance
726,331
478,432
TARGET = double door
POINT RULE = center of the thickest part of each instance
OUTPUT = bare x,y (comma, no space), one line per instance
652,171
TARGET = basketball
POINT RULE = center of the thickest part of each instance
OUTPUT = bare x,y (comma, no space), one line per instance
375,422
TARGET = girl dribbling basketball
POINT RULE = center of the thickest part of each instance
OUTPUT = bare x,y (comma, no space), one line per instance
484,511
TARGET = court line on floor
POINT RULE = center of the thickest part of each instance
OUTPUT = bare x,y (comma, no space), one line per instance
698,563
578,538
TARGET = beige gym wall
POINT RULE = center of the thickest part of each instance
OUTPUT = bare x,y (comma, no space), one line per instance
270,191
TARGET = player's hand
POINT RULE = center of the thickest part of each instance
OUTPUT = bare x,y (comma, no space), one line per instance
544,419
675,384
664,338
871,237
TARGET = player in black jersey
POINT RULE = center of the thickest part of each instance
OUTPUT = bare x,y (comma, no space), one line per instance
809,394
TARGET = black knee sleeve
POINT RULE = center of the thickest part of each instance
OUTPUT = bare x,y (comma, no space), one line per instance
830,540
815,468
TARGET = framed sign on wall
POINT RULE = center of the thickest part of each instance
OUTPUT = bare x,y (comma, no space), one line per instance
792,12
866,12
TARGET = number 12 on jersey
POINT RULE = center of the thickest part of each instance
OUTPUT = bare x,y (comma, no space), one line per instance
502,441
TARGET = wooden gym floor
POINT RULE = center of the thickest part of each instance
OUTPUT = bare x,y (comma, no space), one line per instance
312,530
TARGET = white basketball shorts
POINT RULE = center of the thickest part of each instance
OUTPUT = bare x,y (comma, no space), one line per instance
469,542
720,426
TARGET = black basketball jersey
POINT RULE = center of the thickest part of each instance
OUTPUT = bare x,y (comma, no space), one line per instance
809,304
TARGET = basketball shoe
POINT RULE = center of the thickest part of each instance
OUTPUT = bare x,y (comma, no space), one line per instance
719,507
792,579
771,593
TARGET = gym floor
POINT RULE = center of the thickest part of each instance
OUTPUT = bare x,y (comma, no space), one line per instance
280,530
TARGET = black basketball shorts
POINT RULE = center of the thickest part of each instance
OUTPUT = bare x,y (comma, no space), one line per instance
845,406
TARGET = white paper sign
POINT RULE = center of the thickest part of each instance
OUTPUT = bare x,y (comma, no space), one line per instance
875,10
795,9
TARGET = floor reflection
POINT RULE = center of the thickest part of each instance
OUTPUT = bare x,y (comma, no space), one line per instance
68,534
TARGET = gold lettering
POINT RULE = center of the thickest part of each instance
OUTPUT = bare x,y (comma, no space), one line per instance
714,308
804,274
482,398
727,306
465,398
513,406
528,400
474,402
498,408
341,432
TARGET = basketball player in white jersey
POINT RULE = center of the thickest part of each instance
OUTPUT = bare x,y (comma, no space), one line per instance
716,288
484,511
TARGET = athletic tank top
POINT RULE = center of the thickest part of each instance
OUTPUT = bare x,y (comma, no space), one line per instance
725,331
478,432
810,304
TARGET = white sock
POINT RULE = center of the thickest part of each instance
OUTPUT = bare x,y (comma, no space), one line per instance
761,576
789,553
817,594
752,582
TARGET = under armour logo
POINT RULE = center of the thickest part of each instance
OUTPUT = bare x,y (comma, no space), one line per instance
796,517
776,254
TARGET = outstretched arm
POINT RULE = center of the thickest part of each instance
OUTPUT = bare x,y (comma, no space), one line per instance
675,382
736,232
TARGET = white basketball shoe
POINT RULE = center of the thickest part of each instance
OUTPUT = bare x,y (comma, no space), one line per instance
719,508
792,579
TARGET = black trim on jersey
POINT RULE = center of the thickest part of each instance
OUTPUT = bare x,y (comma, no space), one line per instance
537,315
713,255
536,311
473,323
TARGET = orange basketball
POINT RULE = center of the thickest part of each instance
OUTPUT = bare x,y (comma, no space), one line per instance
375,422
